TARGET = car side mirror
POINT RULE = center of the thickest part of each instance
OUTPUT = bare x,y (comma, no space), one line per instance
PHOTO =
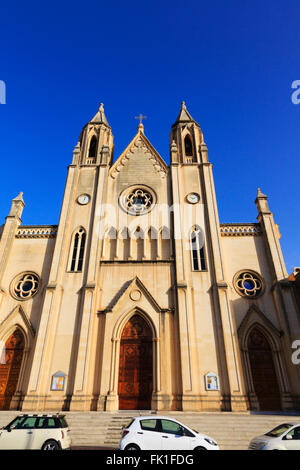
289,437
8,428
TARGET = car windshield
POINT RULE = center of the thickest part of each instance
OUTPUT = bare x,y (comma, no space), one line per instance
279,430
129,424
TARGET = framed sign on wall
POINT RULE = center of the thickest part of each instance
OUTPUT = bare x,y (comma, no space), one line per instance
58,381
211,381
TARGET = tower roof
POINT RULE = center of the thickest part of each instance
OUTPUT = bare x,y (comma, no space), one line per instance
184,116
99,117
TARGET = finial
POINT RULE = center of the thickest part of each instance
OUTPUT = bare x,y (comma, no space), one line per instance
19,197
183,104
141,127
259,193
101,107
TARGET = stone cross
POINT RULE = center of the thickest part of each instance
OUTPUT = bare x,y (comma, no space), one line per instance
141,117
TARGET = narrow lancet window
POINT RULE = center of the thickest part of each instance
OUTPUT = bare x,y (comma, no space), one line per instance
92,150
188,146
197,247
78,250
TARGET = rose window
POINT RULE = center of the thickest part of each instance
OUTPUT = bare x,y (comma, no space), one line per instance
139,201
248,284
25,285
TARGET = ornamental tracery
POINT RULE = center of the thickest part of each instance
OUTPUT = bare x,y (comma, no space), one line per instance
248,284
138,201
25,285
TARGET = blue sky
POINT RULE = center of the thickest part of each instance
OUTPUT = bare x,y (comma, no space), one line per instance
232,62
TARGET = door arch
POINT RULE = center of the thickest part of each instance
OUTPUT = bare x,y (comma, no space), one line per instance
10,366
263,371
135,384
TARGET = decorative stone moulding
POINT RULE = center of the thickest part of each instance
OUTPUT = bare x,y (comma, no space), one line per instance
36,231
138,145
249,284
235,230
25,285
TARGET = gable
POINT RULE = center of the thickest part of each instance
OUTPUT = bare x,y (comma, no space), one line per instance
134,293
139,159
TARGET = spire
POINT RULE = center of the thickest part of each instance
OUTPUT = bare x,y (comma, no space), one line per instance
19,198
261,202
100,118
17,206
184,116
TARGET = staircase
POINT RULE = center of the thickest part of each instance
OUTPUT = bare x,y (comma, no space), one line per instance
230,430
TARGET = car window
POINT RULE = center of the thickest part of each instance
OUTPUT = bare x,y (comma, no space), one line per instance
294,433
171,427
279,430
149,424
29,422
46,423
63,422
15,423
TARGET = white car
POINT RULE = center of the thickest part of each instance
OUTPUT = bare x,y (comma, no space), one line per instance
43,432
284,437
163,433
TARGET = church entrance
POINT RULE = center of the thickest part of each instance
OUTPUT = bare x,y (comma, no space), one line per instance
136,366
263,372
10,365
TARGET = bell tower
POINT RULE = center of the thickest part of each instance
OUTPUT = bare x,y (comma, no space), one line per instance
95,145
187,137
200,276
71,291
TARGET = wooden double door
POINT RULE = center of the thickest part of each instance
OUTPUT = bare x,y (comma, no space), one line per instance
10,365
136,366
263,372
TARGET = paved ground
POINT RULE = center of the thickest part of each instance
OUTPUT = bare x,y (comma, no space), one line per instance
92,448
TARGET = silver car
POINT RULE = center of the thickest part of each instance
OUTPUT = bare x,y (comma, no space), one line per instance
284,437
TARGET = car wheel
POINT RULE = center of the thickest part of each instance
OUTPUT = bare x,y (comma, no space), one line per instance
50,445
132,447
200,448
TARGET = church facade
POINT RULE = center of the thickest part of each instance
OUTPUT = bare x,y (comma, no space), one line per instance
140,298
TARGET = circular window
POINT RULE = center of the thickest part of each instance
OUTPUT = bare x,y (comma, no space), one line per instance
25,285
248,284
138,200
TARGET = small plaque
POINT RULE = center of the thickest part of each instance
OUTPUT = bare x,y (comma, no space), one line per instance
58,381
211,381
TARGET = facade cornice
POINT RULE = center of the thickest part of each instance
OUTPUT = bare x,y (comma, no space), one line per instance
238,230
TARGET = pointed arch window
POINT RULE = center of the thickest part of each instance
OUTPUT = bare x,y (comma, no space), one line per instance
188,146
197,248
93,150
77,250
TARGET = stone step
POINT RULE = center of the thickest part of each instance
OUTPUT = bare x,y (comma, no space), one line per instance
231,431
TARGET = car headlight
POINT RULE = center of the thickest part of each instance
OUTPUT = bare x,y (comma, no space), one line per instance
210,441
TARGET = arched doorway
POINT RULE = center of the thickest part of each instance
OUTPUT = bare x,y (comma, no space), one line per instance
136,366
263,372
10,366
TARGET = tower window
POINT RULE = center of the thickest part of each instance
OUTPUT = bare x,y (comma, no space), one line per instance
188,146
197,248
78,250
92,150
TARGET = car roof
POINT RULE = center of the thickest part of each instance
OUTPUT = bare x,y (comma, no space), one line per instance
155,417
31,415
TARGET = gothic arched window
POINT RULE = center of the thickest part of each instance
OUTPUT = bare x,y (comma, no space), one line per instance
93,148
188,146
197,247
77,250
